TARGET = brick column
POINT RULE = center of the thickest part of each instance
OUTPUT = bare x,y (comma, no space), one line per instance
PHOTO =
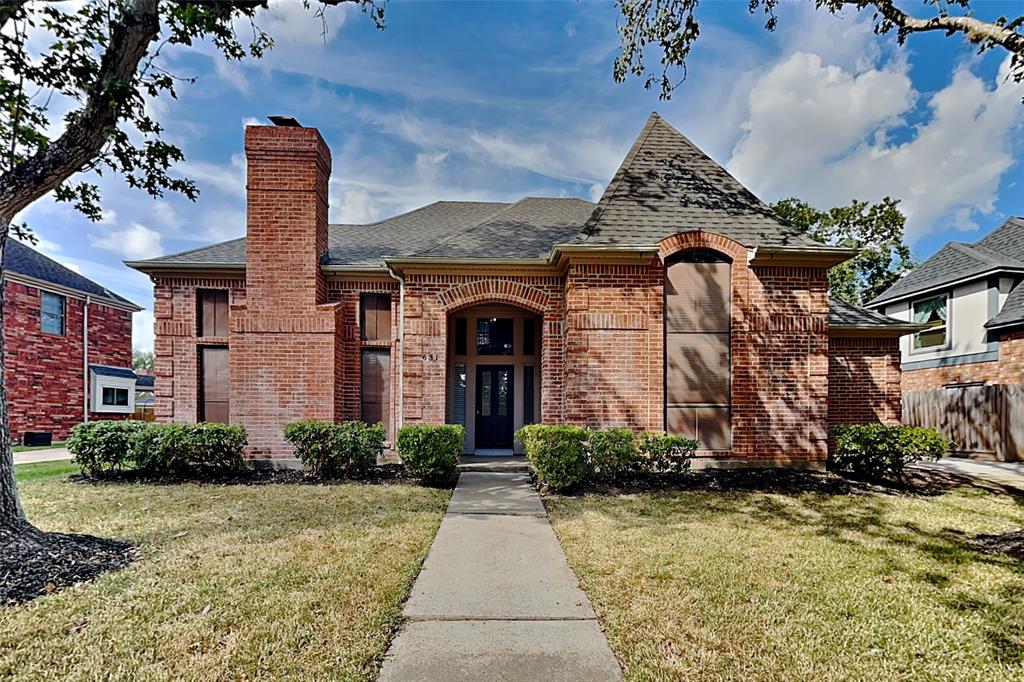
284,340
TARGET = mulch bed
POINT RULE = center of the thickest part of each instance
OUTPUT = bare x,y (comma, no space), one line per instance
1007,543
780,481
380,474
34,563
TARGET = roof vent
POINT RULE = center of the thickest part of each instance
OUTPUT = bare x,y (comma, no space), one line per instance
284,121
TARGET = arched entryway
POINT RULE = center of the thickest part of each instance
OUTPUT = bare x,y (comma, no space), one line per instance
494,372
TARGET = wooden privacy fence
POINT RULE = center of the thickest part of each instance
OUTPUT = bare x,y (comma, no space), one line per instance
982,421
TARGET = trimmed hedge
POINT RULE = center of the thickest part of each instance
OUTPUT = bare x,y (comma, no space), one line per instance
431,451
558,453
878,450
157,449
564,456
336,450
106,445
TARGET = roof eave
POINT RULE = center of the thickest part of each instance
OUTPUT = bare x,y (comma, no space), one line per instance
121,304
149,267
824,256
879,301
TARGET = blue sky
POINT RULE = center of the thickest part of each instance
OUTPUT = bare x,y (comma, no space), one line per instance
494,101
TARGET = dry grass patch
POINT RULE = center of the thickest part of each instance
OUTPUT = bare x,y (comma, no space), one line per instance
757,586
234,582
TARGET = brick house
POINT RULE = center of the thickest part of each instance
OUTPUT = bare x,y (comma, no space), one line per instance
679,301
968,298
67,346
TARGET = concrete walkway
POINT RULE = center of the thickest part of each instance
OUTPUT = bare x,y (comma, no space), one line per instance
1008,475
47,455
496,599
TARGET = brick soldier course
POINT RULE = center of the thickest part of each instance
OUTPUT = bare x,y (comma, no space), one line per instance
588,280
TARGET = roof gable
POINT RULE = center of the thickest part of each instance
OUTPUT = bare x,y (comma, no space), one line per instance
666,185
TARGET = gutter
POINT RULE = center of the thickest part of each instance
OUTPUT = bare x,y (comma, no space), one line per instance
879,302
401,349
85,360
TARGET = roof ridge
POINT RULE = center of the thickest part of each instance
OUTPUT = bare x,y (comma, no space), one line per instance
620,173
107,292
989,255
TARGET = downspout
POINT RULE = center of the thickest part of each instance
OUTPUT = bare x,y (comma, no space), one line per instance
401,347
85,360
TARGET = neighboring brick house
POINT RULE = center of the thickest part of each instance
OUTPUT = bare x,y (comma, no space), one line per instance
67,346
679,301
968,297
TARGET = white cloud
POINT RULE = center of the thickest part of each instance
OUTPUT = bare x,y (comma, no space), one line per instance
142,330
829,134
134,243
358,206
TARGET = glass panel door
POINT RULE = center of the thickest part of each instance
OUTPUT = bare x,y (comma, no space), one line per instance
494,424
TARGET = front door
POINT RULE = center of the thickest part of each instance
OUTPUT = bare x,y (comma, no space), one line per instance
494,424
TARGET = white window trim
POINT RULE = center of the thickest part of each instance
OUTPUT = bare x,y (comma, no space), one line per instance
947,327
99,382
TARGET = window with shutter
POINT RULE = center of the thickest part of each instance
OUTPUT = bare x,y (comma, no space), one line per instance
698,372
214,385
375,386
375,317
213,312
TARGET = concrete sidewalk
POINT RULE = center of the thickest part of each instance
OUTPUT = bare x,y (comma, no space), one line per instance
1006,475
47,455
496,599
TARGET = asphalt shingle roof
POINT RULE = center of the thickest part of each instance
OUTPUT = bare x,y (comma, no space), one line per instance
843,314
116,372
26,261
667,185
1012,312
1002,249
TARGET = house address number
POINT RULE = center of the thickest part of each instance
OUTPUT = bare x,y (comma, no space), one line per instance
429,357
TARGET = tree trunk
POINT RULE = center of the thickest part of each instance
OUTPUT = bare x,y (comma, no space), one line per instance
11,512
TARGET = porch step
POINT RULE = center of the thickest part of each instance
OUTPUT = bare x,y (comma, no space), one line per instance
503,465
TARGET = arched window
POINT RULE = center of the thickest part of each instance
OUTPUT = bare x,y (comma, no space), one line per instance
698,371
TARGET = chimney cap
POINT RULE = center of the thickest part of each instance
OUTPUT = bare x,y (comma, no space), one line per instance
284,121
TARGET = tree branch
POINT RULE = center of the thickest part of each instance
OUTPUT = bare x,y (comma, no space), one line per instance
87,132
975,30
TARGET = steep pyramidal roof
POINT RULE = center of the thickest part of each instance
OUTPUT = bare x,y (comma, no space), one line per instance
667,185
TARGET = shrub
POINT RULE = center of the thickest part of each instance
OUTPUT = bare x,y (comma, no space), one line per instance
878,450
613,454
336,450
664,452
182,449
103,445
558,453
431,451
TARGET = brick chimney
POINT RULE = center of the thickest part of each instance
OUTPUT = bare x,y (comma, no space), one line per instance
289,168
285,339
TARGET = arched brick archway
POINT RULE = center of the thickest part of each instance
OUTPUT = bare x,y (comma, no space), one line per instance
495,291
701,239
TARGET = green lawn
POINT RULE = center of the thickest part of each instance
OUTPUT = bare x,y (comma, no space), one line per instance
754,586
235,582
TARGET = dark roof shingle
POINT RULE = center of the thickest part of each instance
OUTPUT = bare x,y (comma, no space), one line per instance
846,315
666,184
26,261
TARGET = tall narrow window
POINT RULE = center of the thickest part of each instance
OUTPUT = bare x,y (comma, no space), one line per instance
529,336
375,317
375,389
461,332
529,416
213,385
698,373
51,311
213,312
459,394
494,335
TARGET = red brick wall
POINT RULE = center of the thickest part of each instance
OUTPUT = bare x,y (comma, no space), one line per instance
614,345
177,344
45,376
864,381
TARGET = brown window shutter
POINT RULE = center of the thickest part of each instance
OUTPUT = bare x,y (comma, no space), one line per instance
375,388
375,317
214,389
